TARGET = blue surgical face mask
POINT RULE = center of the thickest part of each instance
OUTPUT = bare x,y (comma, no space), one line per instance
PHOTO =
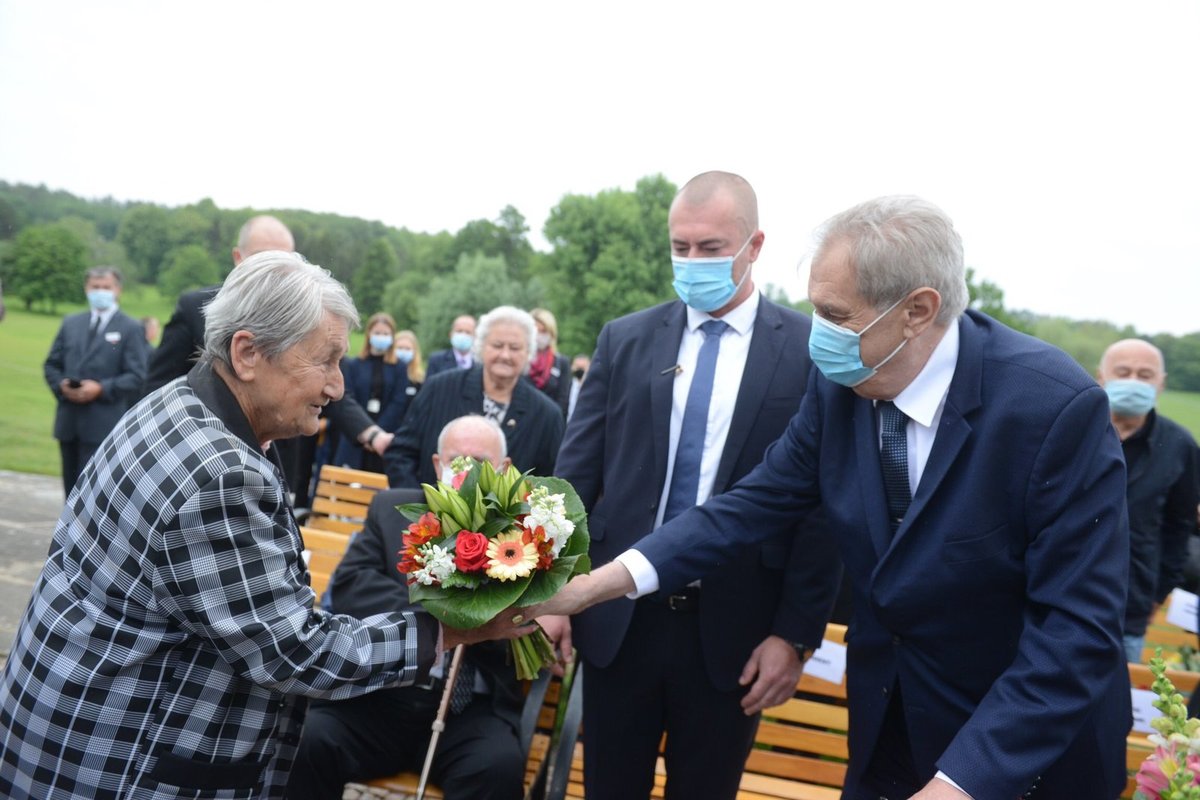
462,341
1129,398
101,299
380,342
837,352
706,284
404,355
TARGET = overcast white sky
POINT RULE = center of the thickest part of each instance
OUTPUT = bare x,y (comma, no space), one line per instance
1060,136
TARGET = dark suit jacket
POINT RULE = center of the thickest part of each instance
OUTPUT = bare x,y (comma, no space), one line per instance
533,426
997,605
182,338
615,455
1162,516
180,346
441,361
397,393
116,358
367,582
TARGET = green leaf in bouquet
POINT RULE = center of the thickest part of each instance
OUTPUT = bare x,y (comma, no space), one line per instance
463,580
546,584
412,511
496,525
459,610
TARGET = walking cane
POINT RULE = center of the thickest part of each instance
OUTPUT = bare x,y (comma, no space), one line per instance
439,722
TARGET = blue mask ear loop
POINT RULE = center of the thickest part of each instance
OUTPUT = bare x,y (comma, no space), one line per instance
899,347
737,288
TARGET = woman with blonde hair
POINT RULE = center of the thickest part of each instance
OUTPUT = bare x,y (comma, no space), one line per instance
549,369
408,351
381,386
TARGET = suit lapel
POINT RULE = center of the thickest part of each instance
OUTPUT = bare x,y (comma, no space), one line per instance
761,361
664,356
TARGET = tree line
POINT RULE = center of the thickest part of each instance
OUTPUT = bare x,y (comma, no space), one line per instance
608,257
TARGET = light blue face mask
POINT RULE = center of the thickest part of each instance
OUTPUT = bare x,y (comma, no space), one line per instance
462,342
404,355
837,352
101,299
706,284
380,342
1129,398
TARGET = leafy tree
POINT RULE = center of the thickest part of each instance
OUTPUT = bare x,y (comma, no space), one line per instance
378,269
11,218
610,257
145,233
777,294
187,267
45,265
987,297
478,284
100,251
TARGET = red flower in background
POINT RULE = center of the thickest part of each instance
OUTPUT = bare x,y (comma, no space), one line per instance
419,532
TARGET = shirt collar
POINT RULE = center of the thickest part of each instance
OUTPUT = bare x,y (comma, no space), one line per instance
741,318
106,315
922,398
217,396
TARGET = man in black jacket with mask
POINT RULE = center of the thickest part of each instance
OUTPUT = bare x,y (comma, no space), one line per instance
1160,466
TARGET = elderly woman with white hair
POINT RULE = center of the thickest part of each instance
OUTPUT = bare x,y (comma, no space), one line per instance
505,342
171,639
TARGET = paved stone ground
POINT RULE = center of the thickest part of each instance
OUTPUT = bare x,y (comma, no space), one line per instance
29,508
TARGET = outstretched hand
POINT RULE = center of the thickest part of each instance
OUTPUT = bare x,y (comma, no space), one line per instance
508,624
584,591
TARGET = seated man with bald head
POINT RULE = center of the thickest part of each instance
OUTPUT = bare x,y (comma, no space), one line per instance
1160,472
369,737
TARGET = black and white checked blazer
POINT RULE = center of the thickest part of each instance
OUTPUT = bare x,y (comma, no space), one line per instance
171,639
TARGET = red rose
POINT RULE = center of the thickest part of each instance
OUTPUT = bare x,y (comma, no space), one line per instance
470,551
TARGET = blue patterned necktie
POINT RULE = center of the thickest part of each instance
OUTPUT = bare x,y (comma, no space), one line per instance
685,477
463,691
893,455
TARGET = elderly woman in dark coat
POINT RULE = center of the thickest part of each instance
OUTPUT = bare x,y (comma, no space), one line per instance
533,425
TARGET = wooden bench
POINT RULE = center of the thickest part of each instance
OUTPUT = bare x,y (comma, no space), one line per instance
800,750
339,510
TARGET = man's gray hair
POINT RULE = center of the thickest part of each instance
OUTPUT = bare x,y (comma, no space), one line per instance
279,298
476,420
510,315
897,244
103,272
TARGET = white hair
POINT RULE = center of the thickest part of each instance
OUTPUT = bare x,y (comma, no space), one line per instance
901,243
477,420
279,298
510,315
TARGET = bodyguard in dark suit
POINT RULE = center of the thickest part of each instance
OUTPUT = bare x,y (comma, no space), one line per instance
700,662
95,368
977,491
532,424
368,737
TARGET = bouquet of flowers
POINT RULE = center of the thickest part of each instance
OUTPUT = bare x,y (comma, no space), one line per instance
1172,771
490,540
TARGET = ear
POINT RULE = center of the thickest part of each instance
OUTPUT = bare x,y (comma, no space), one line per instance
921,310
437,466
237,256
505,463
756,243
244,356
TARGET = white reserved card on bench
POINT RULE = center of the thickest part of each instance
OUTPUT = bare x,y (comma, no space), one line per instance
1182,610
828,663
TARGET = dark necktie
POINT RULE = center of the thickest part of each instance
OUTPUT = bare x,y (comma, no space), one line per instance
92,331
464,687
685,477
893,454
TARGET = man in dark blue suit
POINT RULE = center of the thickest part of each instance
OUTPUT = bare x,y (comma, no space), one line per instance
977,491
701,661
459,356
95,369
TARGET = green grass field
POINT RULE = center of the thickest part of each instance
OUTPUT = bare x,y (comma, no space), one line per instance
27,443
27,406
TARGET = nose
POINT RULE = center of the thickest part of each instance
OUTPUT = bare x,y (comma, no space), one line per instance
336,386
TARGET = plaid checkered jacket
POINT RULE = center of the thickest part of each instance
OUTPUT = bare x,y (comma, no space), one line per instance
170,641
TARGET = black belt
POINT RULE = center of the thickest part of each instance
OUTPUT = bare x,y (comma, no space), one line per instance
686,599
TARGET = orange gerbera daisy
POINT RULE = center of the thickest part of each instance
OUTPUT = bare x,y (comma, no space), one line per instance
511,555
